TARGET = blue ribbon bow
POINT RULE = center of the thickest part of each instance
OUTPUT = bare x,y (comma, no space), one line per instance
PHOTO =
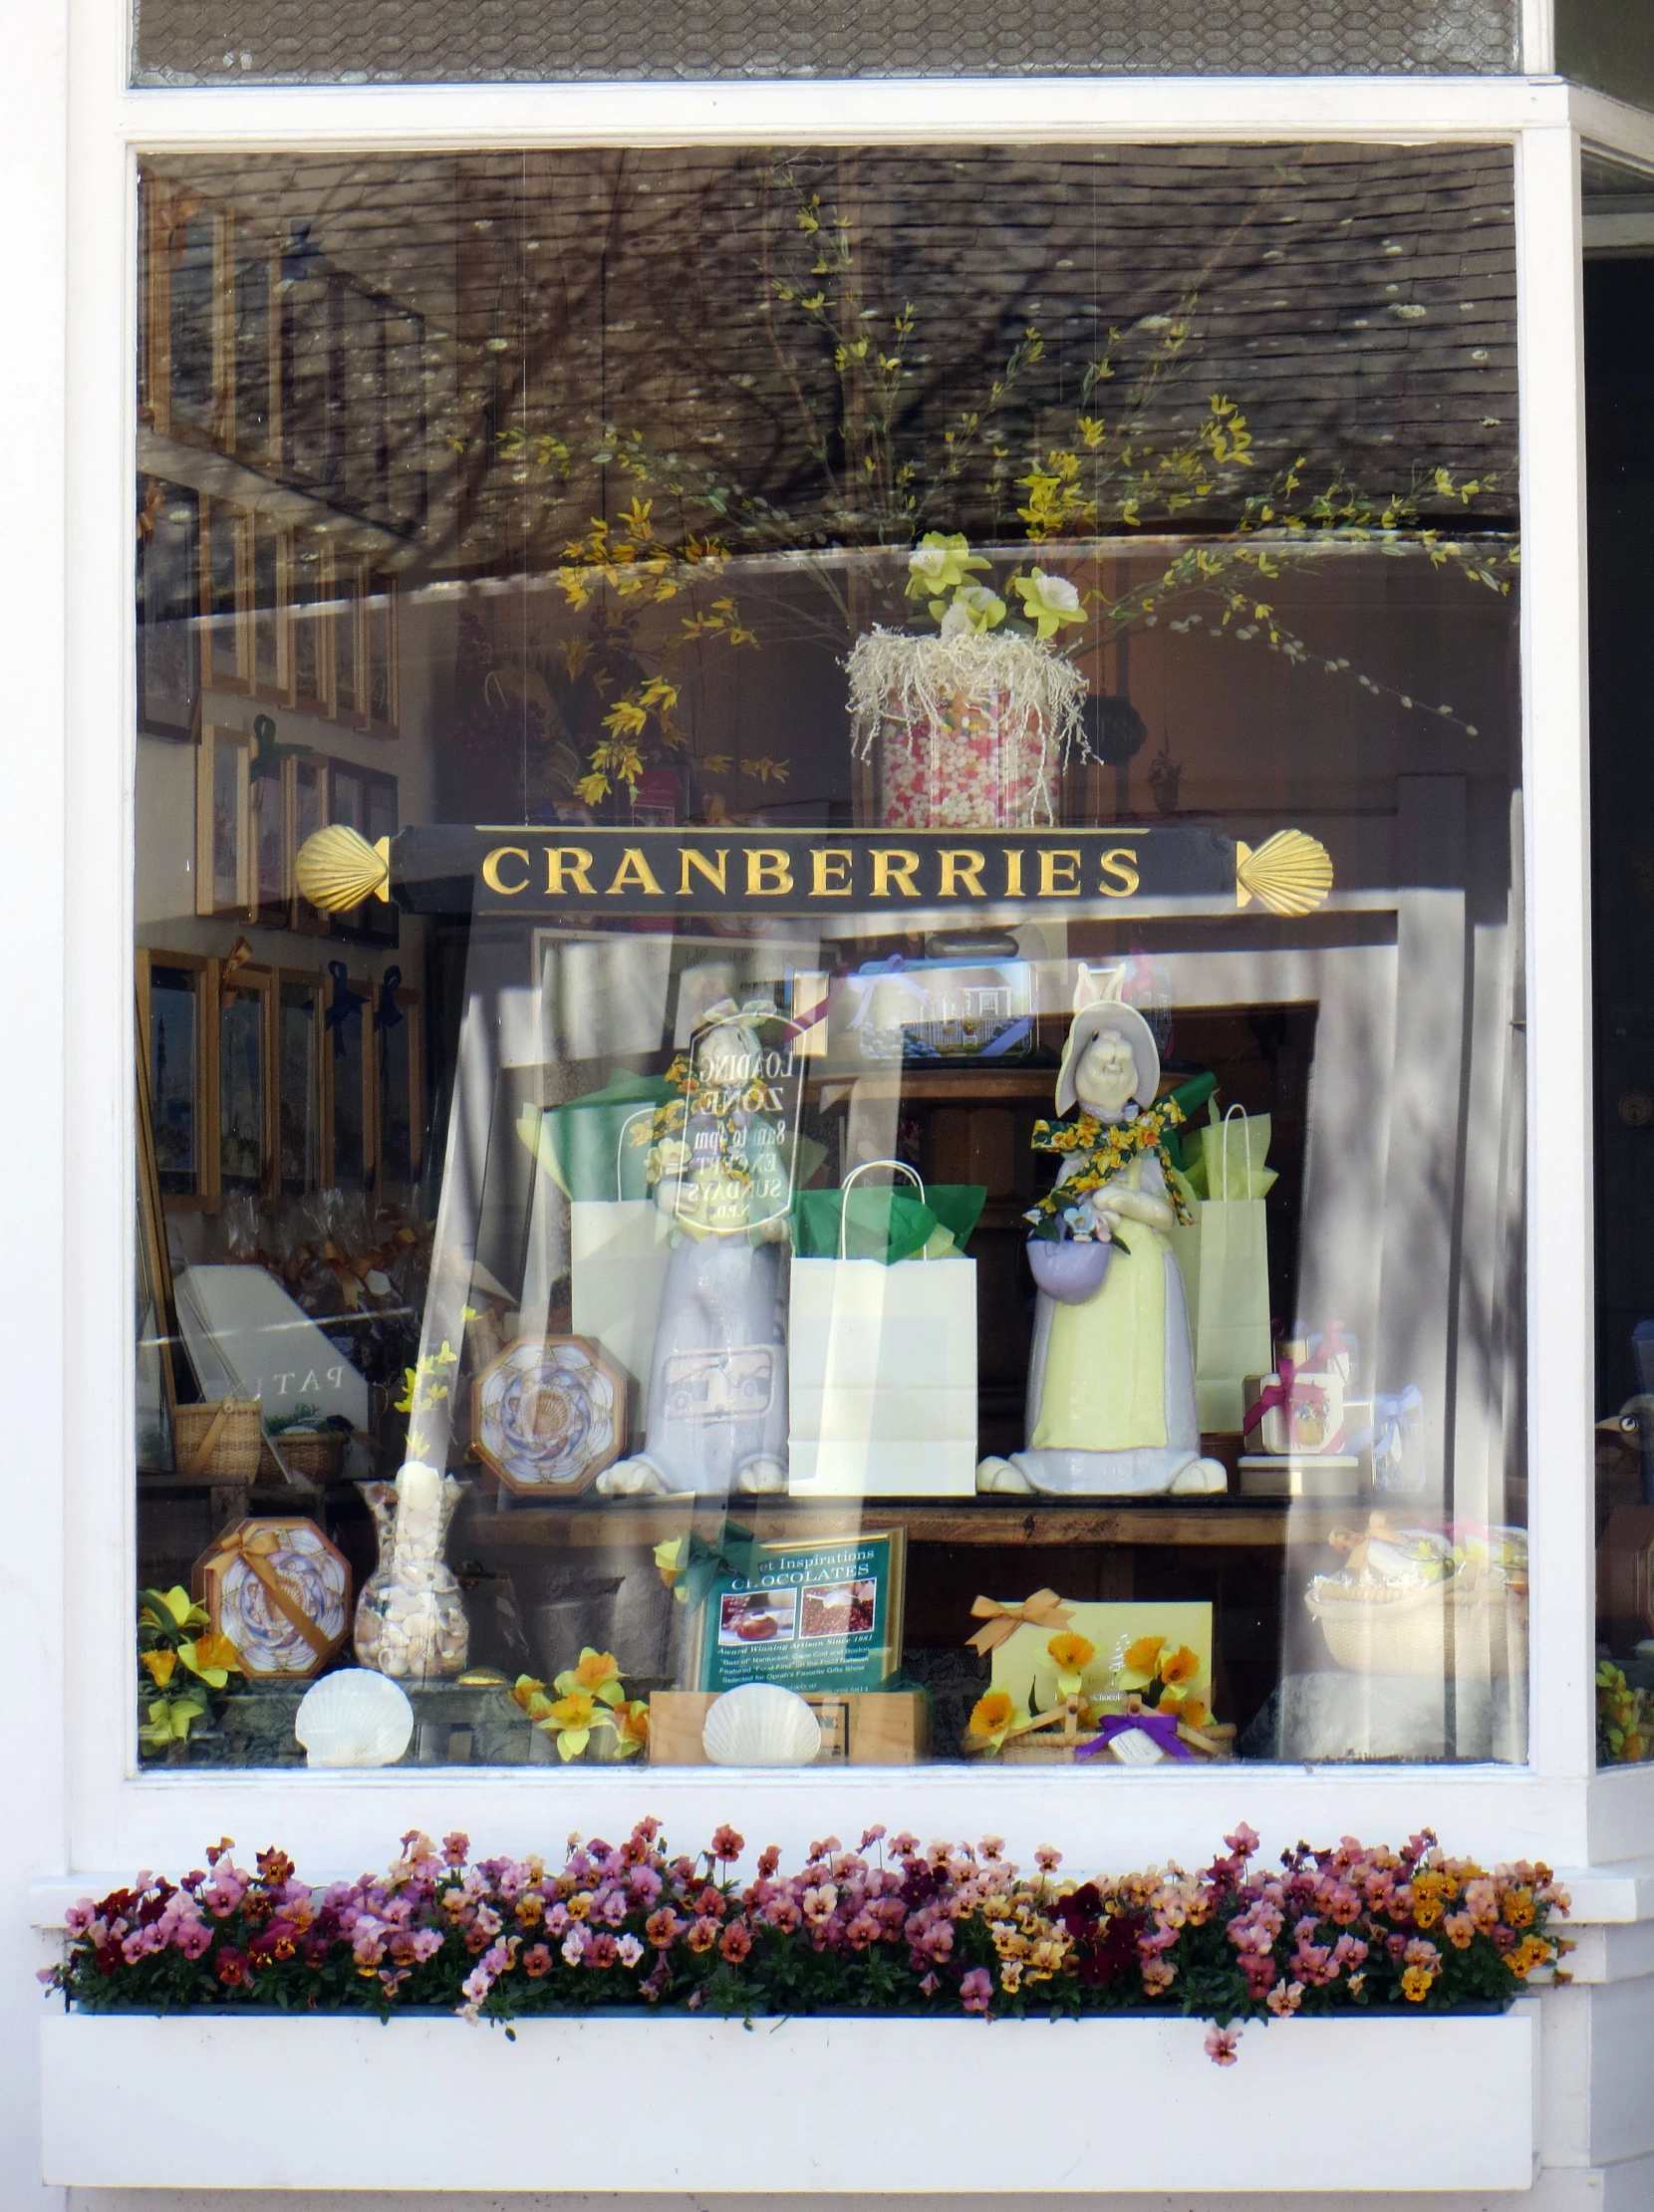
387,1014
1390,1411
343,1004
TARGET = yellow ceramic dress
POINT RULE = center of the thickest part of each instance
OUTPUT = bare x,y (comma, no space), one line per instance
1104,1386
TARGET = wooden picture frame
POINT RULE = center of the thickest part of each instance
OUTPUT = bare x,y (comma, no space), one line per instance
185,318
246,1119
383,631
310,624
364,799
399,1064
169,610
270,592
225,563
351,1085
303,1092
224,865
350,642
176,999
307,813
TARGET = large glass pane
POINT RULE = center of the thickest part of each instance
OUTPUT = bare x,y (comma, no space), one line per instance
909,765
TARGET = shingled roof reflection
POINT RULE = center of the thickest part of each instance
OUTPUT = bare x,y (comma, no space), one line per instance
1359,303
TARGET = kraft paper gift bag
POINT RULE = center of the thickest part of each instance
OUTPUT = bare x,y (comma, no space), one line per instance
1231,1318
882,1351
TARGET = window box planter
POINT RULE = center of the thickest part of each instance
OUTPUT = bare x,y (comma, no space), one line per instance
796,2104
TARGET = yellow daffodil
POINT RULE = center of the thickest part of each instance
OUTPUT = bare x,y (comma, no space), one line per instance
974,610
162,1666
168,1722
1071,1653
632,1725
1141,1663
531,1696
670,1559
571,1720
595,1674
169,1610
214,1658
994,1715
1191,1712
941,563
1183,1666
1047,601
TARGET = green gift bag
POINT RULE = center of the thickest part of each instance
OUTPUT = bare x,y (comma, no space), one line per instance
596,1147
1230,1314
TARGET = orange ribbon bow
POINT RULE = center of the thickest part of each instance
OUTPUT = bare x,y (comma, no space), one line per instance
255,1546
1043,1610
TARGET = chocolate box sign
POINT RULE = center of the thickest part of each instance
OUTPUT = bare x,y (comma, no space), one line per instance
564,870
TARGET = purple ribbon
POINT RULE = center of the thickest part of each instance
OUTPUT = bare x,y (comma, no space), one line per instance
1158,1727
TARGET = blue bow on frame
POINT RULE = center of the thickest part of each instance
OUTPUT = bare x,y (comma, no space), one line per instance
343,1004
387,1014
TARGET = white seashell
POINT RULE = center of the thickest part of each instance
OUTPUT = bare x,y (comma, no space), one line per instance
354,1718
760,1725
337,868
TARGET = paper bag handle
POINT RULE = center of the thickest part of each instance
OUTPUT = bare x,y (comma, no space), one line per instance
896,1166
620,1143
1236,1108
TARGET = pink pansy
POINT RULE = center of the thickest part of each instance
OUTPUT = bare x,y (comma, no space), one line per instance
1219,2045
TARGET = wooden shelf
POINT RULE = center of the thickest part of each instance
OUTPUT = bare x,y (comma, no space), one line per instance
631,1524
925,1083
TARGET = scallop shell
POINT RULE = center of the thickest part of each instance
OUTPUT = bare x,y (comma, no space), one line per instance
1289,873
760,1725
337,868
354,1718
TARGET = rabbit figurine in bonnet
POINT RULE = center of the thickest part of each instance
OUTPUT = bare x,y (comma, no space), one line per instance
1111,1379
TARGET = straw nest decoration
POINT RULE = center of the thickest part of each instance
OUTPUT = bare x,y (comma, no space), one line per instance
910,687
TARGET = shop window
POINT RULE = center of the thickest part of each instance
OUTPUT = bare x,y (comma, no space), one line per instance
841,834
1619,333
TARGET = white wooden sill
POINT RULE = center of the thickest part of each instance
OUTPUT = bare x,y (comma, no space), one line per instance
789,2105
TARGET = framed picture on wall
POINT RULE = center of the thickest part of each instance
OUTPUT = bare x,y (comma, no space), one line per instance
381,615
224,862
307,813
310,624
169,609
399,1043
347,1024
272,572
174,1002
226,580
303,1090
350,644
364,799
186,320
247,1130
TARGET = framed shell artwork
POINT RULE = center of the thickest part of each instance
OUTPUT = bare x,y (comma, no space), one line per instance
281,1593
550,1414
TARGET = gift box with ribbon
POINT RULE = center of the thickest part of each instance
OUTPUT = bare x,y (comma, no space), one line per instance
281,1593
1330,1349
1293,1411
1396,1440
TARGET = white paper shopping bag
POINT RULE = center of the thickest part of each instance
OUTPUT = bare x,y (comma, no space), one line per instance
618,1254
1231,1318
882,1377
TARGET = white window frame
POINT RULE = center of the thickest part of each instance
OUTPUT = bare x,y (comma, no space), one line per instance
73,870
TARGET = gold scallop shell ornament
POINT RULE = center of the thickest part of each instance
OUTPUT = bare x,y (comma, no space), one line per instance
1289,873
337,868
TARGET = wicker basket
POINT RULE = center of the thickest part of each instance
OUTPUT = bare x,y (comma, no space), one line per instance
319,1455
1462,1626
220,1439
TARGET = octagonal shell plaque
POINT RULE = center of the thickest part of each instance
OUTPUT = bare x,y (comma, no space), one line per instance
550,1415
281,1593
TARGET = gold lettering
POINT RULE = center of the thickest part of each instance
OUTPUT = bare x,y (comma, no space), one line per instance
966,867
491,875
1120,861
689,858
838,859
634,872
1013,870
1069,887
894,864
567,860
765,862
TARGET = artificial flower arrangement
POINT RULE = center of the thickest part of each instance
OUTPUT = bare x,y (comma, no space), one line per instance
591,1701
1106,1149
913,1930
173,1631
1622,1729
1146,1699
